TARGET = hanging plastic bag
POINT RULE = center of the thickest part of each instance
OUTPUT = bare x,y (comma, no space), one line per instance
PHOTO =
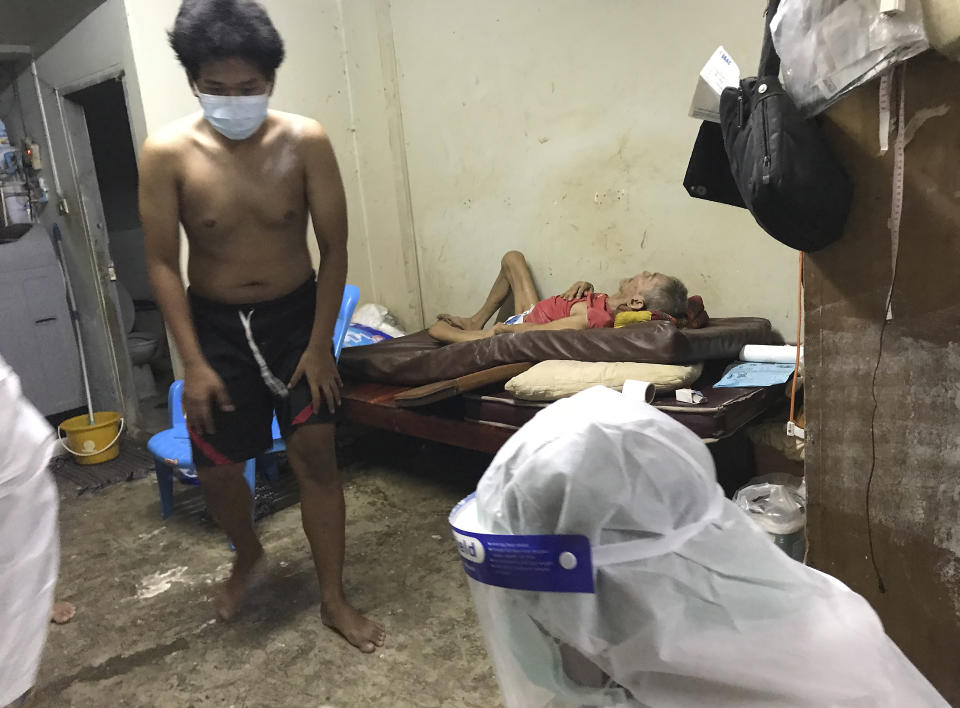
829,47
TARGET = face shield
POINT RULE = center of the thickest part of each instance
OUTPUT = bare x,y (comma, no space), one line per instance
609,570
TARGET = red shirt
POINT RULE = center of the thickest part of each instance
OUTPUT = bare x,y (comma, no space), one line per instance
556,308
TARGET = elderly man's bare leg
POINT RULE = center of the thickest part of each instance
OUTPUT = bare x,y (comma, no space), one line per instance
514,279
312,455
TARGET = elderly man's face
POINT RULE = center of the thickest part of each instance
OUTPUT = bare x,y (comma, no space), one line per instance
642,283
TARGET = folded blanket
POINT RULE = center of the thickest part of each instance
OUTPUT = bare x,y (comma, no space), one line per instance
696,316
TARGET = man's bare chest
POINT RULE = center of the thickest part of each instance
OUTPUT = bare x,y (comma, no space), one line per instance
220,194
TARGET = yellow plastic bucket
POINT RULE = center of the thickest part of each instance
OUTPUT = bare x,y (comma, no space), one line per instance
92,444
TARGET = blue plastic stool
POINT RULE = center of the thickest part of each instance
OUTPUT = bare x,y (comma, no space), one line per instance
172,455
171,448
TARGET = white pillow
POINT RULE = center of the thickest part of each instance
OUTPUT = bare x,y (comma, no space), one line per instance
552,380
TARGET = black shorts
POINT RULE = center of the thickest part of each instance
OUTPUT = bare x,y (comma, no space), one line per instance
255,349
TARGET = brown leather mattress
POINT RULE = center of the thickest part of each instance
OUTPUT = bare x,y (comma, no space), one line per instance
419,359
723,413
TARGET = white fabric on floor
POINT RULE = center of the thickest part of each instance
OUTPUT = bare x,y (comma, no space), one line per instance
29,546
694,605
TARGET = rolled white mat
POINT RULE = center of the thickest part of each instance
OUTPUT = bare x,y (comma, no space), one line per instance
770,354
640,390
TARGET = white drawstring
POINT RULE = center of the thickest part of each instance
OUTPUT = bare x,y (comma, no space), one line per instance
273,383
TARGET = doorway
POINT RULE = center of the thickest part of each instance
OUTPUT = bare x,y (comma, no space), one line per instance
143,347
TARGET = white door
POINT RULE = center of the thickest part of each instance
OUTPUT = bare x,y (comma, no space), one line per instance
36,336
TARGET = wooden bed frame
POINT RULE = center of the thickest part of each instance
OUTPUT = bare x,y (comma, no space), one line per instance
440,412
433,412
375,405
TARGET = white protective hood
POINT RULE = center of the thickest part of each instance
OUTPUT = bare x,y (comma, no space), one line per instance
28,537
693,604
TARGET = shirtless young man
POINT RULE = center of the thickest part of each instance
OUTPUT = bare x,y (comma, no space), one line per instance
578,308
255,330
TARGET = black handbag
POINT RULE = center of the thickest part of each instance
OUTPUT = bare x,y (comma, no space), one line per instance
788,177
708,172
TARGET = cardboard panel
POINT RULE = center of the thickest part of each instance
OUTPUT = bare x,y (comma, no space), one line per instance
910,438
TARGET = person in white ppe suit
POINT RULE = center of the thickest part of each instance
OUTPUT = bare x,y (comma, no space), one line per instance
29,549
692,604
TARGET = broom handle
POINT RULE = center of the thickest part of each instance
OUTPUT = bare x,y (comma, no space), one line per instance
74,317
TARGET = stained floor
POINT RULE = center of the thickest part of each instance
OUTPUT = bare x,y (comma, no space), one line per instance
144,634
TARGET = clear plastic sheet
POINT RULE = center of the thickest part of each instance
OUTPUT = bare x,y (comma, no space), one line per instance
829,47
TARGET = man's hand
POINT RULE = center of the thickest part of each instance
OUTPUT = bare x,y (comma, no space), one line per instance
320,370
578,290
503,328
201,384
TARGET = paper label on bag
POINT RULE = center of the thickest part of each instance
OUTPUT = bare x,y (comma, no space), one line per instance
718,73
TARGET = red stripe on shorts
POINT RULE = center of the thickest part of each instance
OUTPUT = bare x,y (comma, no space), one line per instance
209,451
303,416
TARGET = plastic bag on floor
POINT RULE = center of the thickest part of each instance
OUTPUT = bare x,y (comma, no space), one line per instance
829,47
777,503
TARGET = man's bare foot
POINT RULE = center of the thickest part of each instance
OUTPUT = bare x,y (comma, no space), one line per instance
235,588
467,324
366,635
62,612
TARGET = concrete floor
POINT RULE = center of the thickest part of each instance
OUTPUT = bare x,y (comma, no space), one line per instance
144,634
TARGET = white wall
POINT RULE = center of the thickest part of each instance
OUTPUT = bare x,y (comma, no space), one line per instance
381,158
312,81
560,128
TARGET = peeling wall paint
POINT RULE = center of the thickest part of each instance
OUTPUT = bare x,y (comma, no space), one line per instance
560,129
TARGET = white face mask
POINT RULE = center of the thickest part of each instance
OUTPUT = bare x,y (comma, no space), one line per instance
235,117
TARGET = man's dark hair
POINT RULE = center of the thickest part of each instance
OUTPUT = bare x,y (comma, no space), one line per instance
208,30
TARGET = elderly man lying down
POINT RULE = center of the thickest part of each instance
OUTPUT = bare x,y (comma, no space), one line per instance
578,308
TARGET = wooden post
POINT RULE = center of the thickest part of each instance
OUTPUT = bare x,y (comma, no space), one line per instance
904,556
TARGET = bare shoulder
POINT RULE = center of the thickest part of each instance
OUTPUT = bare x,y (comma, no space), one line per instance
170,140
304,132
